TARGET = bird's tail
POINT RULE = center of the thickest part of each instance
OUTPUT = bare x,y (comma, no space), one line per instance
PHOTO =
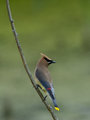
55,105
51,93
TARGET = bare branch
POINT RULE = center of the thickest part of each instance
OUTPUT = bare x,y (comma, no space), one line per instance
49,108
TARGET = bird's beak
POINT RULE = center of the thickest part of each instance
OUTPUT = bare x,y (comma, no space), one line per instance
53,61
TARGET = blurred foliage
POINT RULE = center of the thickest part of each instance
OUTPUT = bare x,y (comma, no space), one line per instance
61,29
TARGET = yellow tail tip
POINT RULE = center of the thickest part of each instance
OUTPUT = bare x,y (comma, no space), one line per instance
56,108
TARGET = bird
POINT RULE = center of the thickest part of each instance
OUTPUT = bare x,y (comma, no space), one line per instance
43,78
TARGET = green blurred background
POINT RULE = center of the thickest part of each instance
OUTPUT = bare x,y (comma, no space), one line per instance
61,30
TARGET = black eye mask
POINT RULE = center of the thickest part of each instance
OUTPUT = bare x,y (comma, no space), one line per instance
49,61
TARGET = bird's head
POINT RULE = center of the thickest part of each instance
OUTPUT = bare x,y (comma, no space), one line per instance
46,60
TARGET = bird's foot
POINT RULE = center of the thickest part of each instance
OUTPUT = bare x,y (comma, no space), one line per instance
38,86
45,98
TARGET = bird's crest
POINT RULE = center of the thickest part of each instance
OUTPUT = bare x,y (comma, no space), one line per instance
44,56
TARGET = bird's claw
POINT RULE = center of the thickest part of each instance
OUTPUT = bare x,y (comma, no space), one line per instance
45,98
38,86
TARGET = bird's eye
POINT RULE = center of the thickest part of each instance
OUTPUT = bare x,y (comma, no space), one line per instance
47,60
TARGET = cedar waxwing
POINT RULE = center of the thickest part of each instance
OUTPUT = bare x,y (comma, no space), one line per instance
43,78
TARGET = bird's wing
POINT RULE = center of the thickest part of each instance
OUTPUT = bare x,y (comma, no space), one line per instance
43,80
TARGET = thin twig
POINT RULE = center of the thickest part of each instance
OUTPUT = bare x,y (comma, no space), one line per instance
24,62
